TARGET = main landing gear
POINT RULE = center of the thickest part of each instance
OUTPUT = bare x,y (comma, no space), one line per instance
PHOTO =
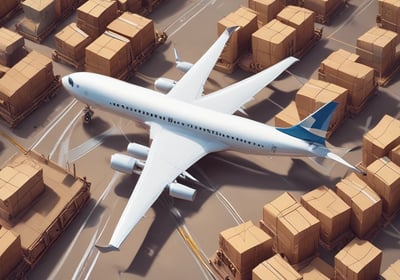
87,114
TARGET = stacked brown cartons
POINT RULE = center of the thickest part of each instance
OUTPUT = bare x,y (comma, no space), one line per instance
340,68
108,55
296,231
19,186
378,141
288,117
10,252
275,268
358,260
139,30
94,16
245,246
273,42
302,20
134,6
11,47
266,9
322,7
389,12
394,155
239,41
72,41
316,93
62,6
7,6
317,269
366,205
384,177
333,213
377,49
25,81
392,272
39,17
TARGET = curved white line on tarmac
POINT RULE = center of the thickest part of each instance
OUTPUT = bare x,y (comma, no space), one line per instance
106,191
229,207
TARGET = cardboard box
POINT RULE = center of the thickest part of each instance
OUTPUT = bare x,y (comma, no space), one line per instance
39,11
378,141
333,213
288,116
71,42
138,29
240,40
317,269
296,230
302,20
7,6
10,251
392,272
322,7
134,6
11,47
266,10
108,55
389,10
366,205
62,7
245,245
358,260
377,49
275,268
315,93
273,42
394,155
384,177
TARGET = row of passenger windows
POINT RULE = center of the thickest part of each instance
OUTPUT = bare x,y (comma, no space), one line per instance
171,120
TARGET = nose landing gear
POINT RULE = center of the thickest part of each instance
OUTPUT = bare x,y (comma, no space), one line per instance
87,114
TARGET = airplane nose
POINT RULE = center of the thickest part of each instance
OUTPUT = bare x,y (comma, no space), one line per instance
67,81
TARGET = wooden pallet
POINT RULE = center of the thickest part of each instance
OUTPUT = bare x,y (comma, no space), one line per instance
60,57
337,243
38,38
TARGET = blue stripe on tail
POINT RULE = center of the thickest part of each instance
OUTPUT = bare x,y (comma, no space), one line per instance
314,127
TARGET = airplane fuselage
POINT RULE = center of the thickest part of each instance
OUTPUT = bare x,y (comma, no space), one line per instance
145,105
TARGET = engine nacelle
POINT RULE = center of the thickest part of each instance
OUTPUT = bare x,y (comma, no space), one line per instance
181,191
164,84
184,66
138,151
123,163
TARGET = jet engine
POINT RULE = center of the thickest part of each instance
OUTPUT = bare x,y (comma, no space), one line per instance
164,84
181,191
126,164
138,151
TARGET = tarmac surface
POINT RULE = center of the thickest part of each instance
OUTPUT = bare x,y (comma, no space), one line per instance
176,238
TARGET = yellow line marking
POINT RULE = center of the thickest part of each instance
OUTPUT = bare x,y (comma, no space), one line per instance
14,142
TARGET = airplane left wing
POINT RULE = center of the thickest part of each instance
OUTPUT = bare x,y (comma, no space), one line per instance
171,153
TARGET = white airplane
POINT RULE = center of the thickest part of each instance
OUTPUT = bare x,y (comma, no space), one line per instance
185,126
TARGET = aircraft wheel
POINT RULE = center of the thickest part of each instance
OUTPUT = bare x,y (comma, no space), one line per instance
87,116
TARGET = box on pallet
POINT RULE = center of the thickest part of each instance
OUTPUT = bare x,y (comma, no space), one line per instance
11,47
333,213
384,177
358,260
266,9
273,42
317,269
366,205
389,11
322,7
71,42
302,20
275,268
239,42
289,116
296,230
10,251
378,141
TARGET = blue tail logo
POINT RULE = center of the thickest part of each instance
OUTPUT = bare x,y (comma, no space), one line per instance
314,127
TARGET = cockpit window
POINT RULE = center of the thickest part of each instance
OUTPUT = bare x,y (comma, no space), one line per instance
70,81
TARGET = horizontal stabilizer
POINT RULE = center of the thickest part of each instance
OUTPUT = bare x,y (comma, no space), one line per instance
106,249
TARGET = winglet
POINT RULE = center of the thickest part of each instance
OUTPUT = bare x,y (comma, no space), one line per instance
106,249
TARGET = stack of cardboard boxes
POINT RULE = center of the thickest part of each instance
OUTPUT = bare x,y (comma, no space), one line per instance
302,20
275,268
333,213
39,17
358,260
19,186
240,40
12,47
380,140
389,14
366,205
342,69
322,8
10,252
266,10
295,230
71,43
377,49
133,6
288,117
245,246
7,6
23,84
272,43
62,6
94,16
